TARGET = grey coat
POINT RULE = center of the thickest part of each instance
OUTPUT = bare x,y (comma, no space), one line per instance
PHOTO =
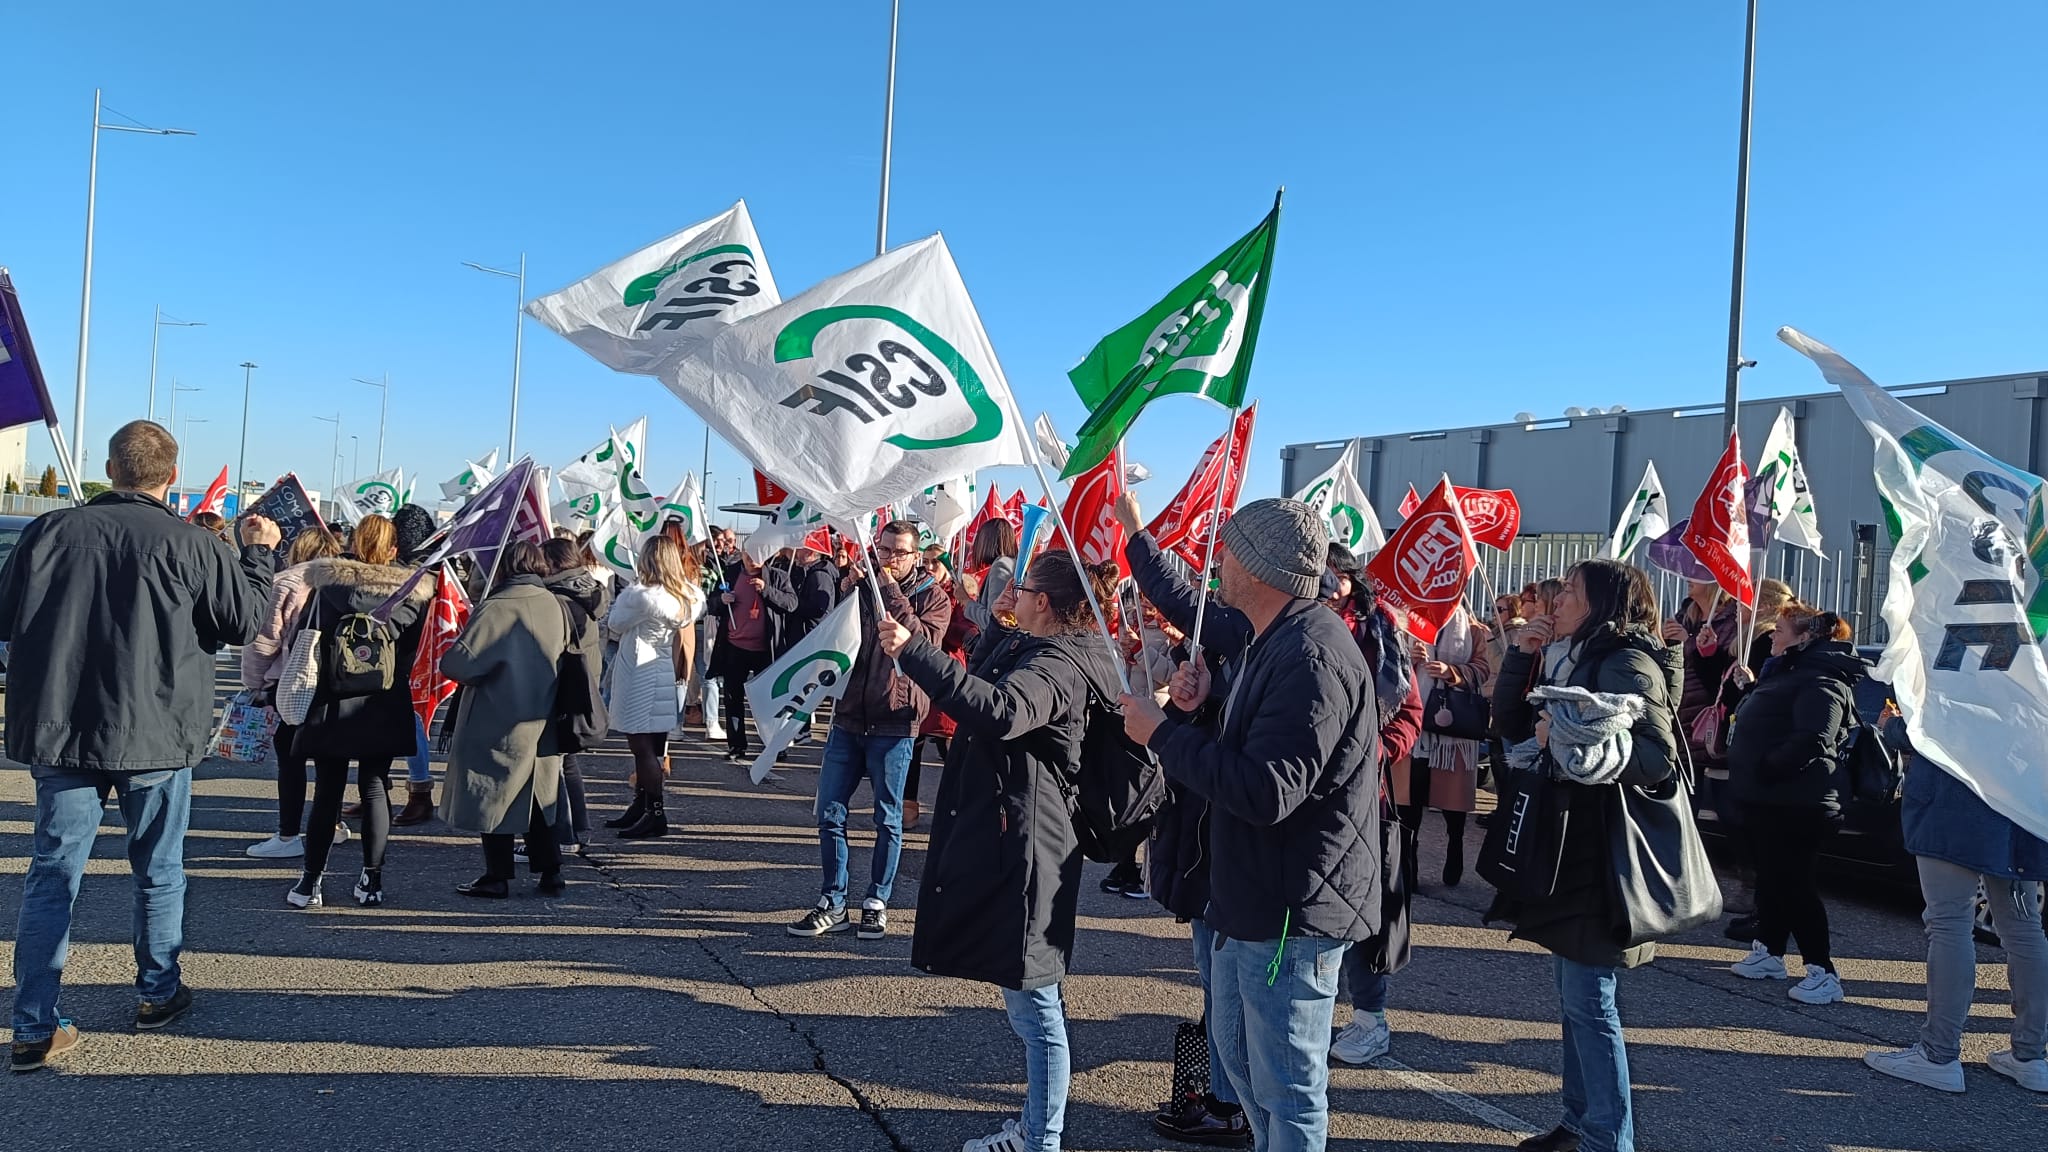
500,761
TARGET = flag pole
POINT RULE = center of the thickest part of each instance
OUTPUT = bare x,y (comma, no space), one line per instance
1209,553
1087,586
65,462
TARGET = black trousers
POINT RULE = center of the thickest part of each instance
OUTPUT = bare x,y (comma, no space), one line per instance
291,783
1784,844
740,663
543,853
330,783
916,778
572,825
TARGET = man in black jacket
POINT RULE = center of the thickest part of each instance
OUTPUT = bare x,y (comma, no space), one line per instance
1293,784
114,612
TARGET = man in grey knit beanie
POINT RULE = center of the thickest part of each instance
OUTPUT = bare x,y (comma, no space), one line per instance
1282,544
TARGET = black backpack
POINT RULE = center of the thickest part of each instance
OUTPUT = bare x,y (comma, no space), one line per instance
362,656
1120,785
1870,768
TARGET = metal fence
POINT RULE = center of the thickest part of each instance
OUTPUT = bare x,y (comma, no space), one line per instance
19,504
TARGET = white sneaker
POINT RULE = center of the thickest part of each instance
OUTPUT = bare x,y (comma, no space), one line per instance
306,893
1913,1064
1364,1040
1010,1139
278,848
2029,1074
1760,964
715,733
340,832
1820,987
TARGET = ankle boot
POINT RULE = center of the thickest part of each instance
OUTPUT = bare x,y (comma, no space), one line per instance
632,814
653,820
1454,861
419,806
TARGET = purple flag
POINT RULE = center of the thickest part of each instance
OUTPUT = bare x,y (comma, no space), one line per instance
484,524
1670,553
24,398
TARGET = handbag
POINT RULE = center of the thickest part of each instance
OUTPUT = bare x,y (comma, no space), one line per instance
1460,713
1666,882
299,679
244,733
1709,731
1524,845
1387,952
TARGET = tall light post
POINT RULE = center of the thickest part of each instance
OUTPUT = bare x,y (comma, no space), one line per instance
333,497
384,405
183,433
355,444
518,331
1735,361
92,182
175,389
156,333
242,462
888,132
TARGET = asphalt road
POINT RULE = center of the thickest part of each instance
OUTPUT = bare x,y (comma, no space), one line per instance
659,1004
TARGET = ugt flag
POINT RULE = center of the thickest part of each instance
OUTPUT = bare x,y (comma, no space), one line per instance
216,497
668,299
1199,339
1967,602
1647,516
1090,514
1422,572
1183,527
785,694
1493,515
1717,533
446,617
865,390
1338,497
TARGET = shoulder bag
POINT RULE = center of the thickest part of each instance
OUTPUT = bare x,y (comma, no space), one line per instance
1460,713
299,679
1524,845
1666,881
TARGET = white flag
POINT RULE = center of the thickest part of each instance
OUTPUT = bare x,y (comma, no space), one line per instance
1647,516
666,300
1965,604
686,503
1050,445
1336,494
373,495
795,518
944,509
867,389
784,695
1783,478
472,479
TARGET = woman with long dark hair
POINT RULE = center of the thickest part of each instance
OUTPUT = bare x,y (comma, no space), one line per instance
1002,878
992,556
1601,636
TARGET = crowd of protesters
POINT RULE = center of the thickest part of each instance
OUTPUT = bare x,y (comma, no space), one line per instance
1298,737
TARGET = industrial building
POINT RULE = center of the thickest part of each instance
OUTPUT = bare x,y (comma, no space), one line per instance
1572,473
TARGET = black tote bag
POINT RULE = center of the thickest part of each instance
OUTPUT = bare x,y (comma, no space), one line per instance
1457,712
1666,885
1524,845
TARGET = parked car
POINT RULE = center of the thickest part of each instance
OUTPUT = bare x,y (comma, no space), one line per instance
11,528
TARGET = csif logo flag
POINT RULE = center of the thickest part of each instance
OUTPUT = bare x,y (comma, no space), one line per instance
1422,572
1337,497
865,390
784,695
377,495
668,299
1648,516
686,504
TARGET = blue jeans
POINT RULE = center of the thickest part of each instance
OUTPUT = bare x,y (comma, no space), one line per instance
1040,1020
156,807
1367,988
884,762
416,770
1205,950
1596,1096
1272,1025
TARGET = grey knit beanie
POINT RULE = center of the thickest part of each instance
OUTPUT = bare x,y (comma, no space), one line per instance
1282,543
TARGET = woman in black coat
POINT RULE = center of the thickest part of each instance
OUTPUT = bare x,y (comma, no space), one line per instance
1605,621
1784,757
370,729
1002,878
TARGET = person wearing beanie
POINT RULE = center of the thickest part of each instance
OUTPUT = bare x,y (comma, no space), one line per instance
415,529
1292,777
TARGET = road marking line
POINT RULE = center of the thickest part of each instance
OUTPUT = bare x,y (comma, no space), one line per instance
1471,1106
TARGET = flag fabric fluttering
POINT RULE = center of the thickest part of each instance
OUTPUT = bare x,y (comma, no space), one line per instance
991,510
1966,604
1038,520
472,478
668,299
1409,503
817,668
686,503
865,390
483,525
1198,339
944,509
1493,515
1717,532
216,498
24,395
1422,572
1337,496
1050,446
377,495
446,616
1669,553
1780,505
1183,527
1013,511
1646,516
1090,514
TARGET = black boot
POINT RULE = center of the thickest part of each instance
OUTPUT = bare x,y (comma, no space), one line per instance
653,820
632,814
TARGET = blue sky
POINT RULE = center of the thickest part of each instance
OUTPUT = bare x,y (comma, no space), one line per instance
1491,207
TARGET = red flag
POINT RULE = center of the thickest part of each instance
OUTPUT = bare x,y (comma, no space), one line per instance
1718,535
1013,510
1410,503
446,617
1421,573
532,522
768,492
1183,525
216,497
1090,512
1493,515
991,509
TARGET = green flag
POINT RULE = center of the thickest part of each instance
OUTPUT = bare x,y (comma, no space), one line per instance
1198,339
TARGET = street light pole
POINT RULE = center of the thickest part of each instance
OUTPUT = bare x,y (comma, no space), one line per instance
175,389
383,410
155,334
242,462
518,332
888,132
356,446
183,431
1735,361
92,183
333,495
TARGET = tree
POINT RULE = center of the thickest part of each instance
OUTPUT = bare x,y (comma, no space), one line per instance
13,489
49,485
94,488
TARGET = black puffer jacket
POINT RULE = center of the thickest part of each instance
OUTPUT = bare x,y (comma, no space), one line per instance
1293,781
1002,878
1785,748
584,593
1581,920
378,726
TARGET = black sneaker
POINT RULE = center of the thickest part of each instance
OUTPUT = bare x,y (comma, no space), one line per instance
1559,1139
874,923
821,920
552,884
151,1015
1121,879
369,891
1200,1120
29,1055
